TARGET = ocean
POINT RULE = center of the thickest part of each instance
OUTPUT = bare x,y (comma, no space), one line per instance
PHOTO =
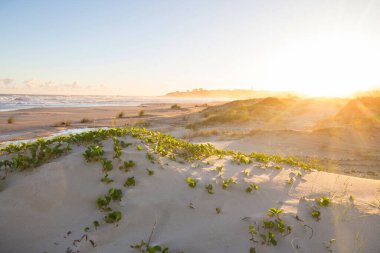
16,102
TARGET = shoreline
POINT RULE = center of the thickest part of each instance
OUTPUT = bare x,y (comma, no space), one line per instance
40,122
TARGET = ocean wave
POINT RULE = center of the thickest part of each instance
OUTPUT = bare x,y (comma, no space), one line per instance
16,102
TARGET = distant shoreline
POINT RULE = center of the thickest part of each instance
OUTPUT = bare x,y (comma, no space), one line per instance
14,102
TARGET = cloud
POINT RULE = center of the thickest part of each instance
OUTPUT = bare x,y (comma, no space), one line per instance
31,84
51,87
6,81
73,85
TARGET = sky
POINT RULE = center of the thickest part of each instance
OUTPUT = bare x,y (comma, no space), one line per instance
314,47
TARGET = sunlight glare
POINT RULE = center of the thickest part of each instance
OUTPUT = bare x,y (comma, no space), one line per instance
333,66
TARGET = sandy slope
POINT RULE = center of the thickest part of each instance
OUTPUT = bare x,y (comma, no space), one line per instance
352,152
39,208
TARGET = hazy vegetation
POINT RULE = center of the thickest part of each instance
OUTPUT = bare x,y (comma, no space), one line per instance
175,107
120,115
85,120
62,124
240,112
228,93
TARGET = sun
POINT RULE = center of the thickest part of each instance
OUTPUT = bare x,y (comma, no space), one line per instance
332,66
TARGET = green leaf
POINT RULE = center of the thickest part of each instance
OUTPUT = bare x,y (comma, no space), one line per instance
154,249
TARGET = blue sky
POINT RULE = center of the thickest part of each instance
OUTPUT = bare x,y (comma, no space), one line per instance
153,47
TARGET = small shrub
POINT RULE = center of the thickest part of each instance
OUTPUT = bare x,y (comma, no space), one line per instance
126,165
209,189
144,247
274,212
103,203
191,182
329,246
129,164
251,187
272,239
150,172
93,153
141,113
226,183
139,147
113,217
62,124
218,210
120,115
106,179
323,201
276,225
116,148
85,120
96,224
316,214
290,181
125,144
219,169
10,120
142,124
130,182
115,194
106,165
253,233
175,107
150,156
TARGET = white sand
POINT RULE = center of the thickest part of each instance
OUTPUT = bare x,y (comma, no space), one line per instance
39,207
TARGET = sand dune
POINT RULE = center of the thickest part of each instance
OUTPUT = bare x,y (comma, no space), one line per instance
46,209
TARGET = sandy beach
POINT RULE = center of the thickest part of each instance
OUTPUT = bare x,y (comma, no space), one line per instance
40,122
294,131
288,177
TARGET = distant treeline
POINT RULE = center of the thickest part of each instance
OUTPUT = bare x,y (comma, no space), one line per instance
229,93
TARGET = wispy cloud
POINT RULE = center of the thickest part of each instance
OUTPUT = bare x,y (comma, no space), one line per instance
6,81
43,86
